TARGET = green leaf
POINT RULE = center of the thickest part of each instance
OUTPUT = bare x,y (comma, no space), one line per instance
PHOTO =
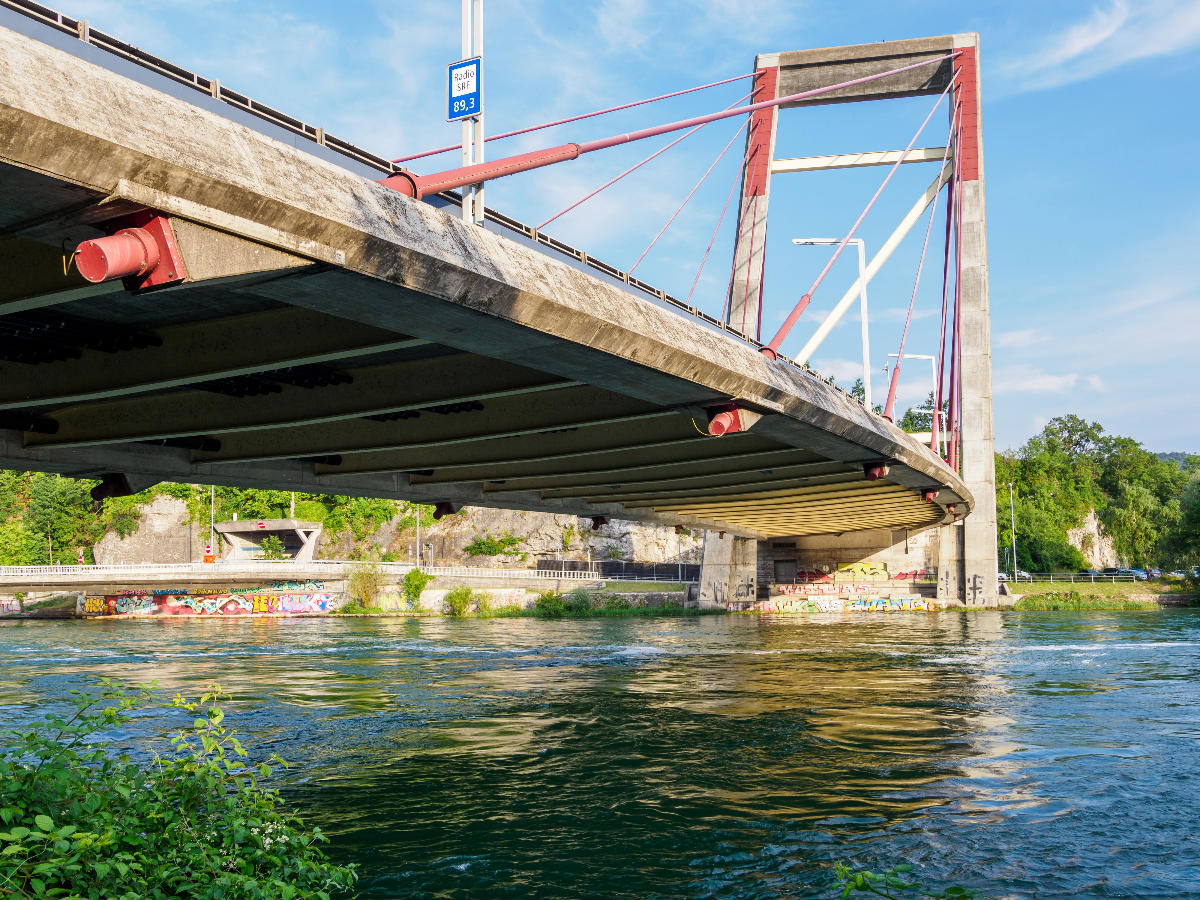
45,823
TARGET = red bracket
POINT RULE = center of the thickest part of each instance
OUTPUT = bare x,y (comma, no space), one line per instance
729,418
141,250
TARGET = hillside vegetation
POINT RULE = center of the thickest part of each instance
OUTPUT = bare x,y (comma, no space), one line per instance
1148,505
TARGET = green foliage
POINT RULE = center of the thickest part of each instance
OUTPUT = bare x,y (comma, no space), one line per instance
505,544
613,603
483,603
19,546
1073,600
311,510
272,548
578,601
364,584
195,821
614,552
414,584
894,883
550,605
458,601
568,535
1073,467
919,419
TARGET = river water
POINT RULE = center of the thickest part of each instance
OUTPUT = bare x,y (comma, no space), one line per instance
1027,754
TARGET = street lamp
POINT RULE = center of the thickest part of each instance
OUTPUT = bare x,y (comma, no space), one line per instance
933,391
1012,519
862,296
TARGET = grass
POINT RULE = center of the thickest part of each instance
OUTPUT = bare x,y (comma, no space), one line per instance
1101,588
1074,601
642,587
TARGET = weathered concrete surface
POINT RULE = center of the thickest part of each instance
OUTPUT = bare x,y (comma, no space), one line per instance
402,267
978,435
729,572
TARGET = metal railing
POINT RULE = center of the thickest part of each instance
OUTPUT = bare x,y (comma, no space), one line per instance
212,87
1069,578
281,569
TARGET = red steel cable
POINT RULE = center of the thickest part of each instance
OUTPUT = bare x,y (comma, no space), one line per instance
712,240
599,112
691,193
956,331
889,406
773,348
941,369
412,185
632,169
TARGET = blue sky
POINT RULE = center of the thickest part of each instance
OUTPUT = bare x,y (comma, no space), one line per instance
1090,133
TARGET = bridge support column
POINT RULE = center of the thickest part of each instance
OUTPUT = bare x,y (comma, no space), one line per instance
729,571
978,540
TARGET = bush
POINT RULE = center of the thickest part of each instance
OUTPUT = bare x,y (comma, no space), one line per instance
483,603
578,601
193,821
458,601
364,584
414,585
612,602
509,610
550,605
896,883
272,548
505,544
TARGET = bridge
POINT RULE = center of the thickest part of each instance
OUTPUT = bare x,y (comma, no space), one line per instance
253,302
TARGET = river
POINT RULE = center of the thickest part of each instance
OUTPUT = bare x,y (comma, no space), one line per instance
1027,754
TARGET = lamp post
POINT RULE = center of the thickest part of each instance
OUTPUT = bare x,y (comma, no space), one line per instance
1012,520
933,390
862,296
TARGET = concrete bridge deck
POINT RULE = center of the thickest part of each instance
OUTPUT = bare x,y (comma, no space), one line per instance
331,335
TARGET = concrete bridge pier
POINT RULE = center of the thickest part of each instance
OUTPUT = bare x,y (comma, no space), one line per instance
729,570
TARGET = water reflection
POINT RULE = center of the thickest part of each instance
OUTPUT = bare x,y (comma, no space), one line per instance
1052,755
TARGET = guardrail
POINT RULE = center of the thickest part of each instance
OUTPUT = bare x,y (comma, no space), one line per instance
1071,578
283,570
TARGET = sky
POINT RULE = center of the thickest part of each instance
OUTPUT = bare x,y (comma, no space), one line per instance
1089,136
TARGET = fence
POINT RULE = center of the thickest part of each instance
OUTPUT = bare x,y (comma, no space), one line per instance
283,569
1071,578
617,570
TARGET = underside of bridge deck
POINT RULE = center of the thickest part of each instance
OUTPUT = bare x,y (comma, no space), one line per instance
326,334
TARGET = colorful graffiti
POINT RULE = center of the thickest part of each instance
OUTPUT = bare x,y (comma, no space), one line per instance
205,603
825,588
841,604
9,605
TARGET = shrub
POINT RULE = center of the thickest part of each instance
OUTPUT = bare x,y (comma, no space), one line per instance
510,610
483,603
195,820
612,601
487,545
578,601
1073,600
272,548
414,585
364,584
458,601
550,605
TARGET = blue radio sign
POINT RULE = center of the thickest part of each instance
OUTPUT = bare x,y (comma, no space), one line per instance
464,89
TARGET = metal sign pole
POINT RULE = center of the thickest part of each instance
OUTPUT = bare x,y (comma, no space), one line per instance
468,132
477,127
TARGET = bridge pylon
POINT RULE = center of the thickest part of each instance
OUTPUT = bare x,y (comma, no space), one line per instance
962,553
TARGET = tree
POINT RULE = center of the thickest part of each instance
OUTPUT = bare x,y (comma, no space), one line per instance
272,548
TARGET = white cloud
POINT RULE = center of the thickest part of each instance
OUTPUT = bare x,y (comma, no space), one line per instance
1021,338
1110,37
1031,379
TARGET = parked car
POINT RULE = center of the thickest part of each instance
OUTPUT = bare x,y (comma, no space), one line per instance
1022,575
1154,573
1002,577
1090,572
1178,573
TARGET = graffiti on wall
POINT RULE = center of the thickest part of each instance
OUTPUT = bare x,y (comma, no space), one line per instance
205,603
840,603
871,572
9,605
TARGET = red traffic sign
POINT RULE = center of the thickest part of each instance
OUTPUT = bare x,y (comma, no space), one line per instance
262,524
